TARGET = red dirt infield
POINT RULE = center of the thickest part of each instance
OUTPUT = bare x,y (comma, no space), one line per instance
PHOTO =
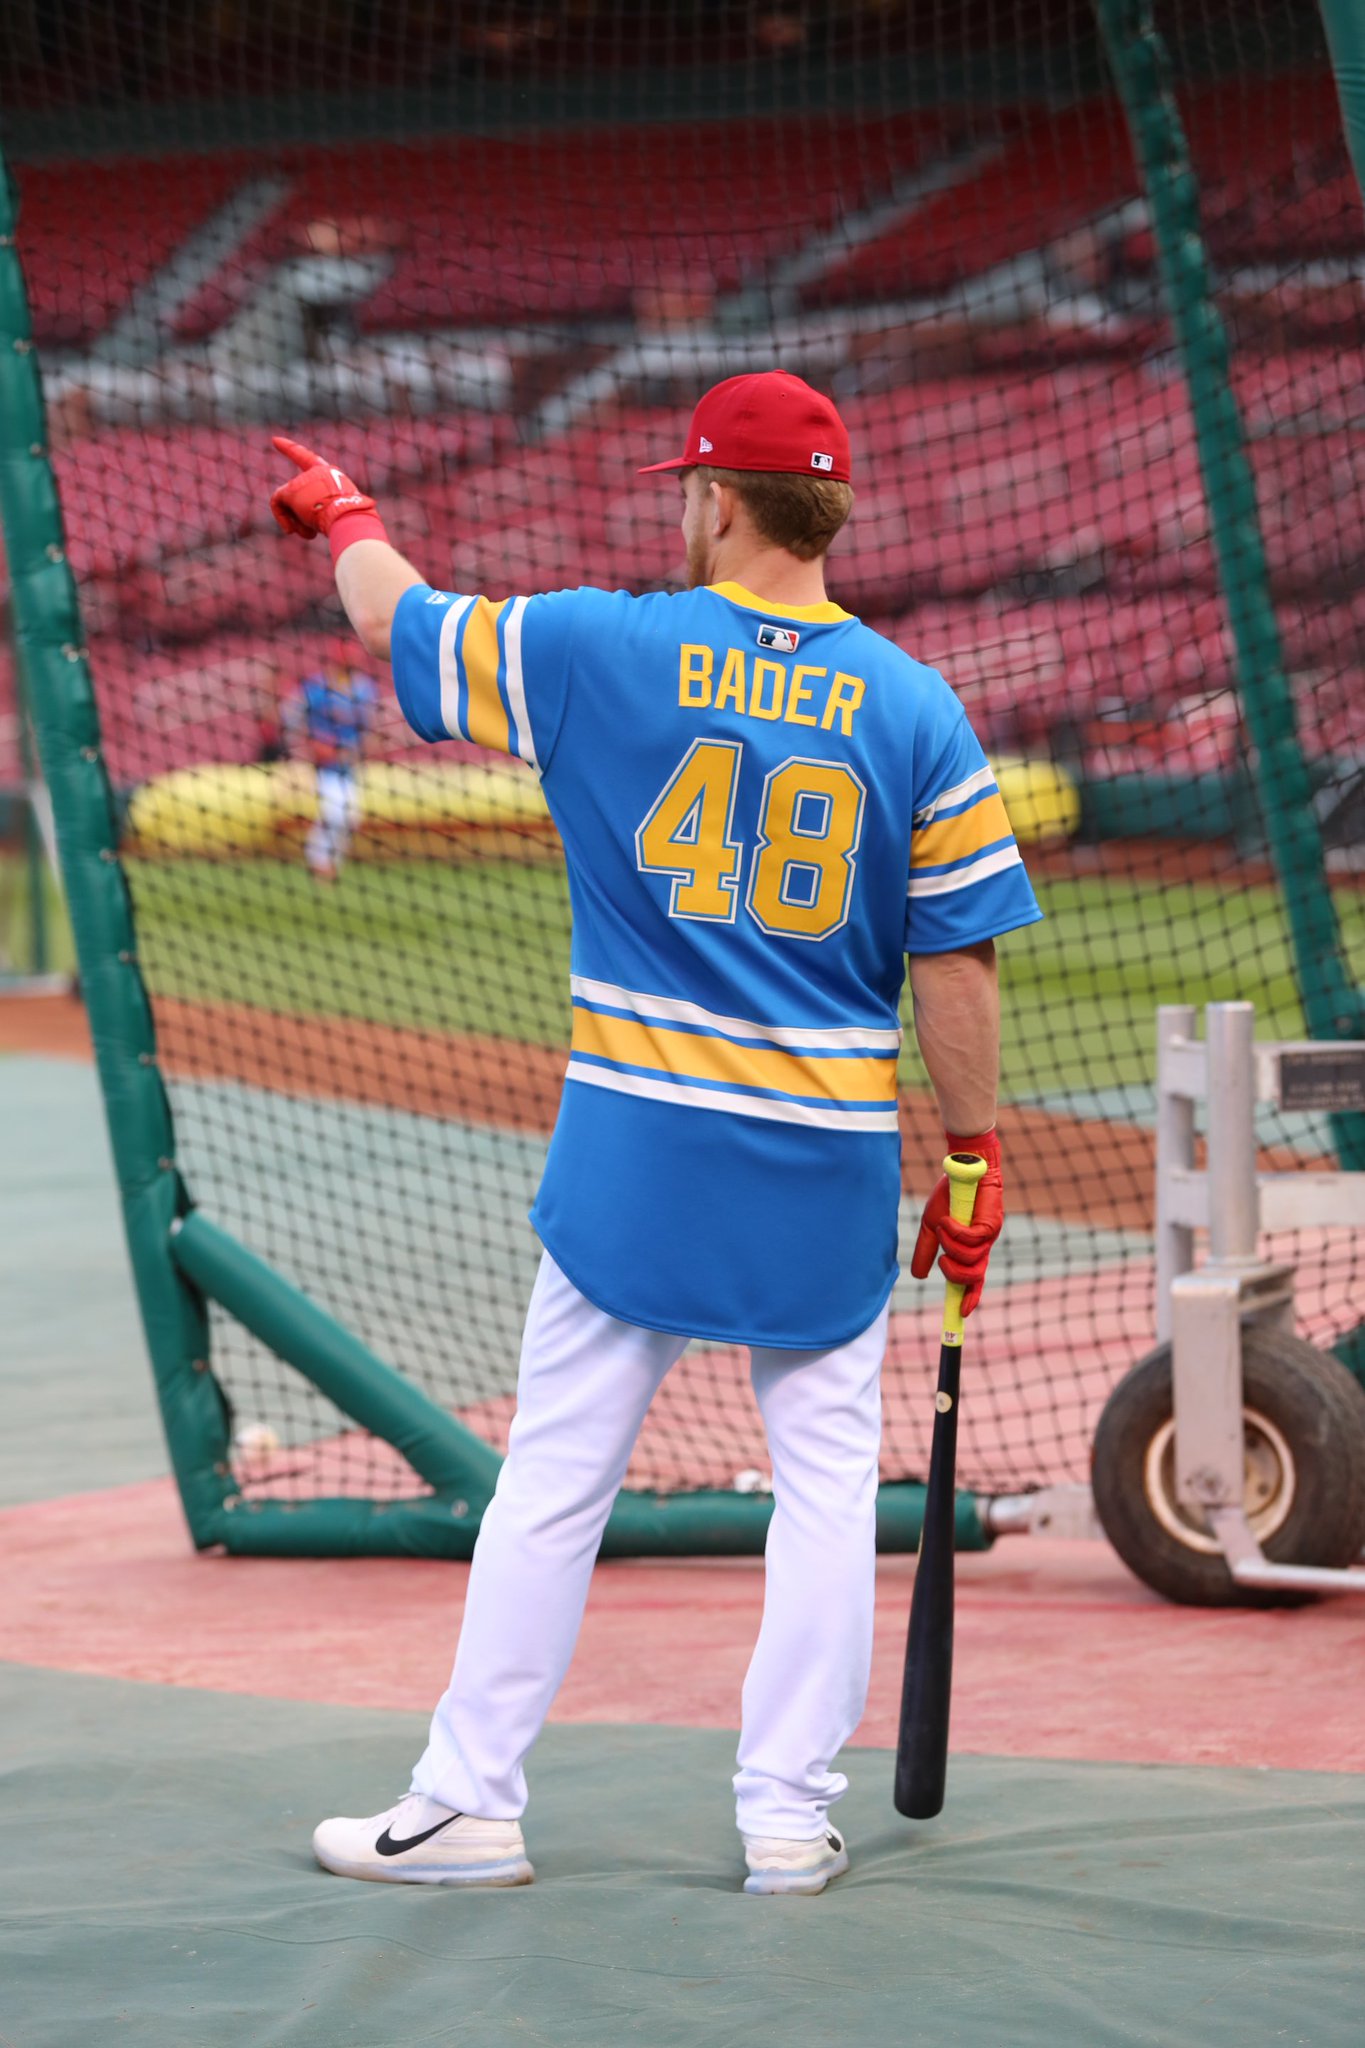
465,1077
1059,1652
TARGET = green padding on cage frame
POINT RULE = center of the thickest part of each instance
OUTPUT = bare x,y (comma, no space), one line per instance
52,655
439,1449
707,1524
1344,21
458,1465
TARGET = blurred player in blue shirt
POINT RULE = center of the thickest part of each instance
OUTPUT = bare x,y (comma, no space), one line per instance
327,721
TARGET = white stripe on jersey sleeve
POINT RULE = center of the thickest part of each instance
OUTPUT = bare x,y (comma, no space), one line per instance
982,779
669,1010
768,1108
963,878
449,667
516,684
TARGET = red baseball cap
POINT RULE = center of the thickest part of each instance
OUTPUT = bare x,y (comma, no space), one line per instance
768,420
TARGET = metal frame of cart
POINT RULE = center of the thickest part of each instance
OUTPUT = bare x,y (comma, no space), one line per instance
1203,1312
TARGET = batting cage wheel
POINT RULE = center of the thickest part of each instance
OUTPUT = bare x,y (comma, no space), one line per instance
1304,1433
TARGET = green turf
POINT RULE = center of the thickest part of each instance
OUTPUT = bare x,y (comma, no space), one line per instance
1080,990
459,946
29,946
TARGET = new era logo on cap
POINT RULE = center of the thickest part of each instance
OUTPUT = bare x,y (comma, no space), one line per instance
822,462
704,447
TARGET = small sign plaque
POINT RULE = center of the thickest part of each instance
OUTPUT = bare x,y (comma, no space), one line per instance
1323,1077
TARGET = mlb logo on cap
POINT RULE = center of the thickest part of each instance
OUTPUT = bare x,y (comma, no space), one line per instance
822,462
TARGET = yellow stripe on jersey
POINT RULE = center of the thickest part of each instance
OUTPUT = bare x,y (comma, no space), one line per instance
486,719
960,837
691,1057
826,613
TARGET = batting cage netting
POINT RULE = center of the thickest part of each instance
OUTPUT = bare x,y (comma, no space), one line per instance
486,258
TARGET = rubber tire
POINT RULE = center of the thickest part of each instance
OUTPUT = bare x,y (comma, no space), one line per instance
1319,1409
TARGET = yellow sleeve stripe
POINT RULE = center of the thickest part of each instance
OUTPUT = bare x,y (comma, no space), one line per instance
960,837
480,656
688,1056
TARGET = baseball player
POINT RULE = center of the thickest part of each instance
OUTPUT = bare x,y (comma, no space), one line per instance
327,721
764,806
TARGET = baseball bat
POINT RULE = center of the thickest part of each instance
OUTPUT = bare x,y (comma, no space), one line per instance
922,1742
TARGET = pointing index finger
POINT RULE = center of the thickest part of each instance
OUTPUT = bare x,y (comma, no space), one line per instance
302,457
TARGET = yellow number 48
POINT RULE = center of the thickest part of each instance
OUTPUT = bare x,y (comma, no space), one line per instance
809,825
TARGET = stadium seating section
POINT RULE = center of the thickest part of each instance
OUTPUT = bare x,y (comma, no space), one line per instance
1076,530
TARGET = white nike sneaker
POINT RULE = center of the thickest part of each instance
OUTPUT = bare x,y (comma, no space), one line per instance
777,1864
419,1842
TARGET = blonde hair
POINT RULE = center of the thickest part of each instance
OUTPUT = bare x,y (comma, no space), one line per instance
799,513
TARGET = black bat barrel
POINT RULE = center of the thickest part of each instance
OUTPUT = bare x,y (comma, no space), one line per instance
922,1745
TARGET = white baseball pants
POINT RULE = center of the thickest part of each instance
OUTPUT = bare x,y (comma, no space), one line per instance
585,1383
338,815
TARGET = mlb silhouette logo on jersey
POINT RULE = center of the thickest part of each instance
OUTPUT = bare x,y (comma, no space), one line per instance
781,638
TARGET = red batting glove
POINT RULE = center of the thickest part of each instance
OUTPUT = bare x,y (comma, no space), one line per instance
965,1247
323,500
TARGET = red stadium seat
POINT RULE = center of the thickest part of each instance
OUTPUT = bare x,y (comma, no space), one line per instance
90,242
510,230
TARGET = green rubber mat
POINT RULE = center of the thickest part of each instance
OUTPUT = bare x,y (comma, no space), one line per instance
157,1888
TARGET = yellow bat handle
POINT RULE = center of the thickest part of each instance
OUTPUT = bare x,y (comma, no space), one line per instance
964,1171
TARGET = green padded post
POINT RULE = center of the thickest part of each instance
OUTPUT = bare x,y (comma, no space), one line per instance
734,1524
439,1449
1344,21
458,1465
1333,1006
35,858
664,1525
52,653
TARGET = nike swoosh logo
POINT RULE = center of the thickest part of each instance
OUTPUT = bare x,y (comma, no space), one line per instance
386,1845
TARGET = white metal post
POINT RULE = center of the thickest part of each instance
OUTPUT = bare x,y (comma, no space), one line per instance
1174,1154
1234,1198
1206,1335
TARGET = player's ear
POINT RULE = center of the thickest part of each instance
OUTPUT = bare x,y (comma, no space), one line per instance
722,507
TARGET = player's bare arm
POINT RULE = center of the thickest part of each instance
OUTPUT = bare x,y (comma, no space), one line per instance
371,577
957,1023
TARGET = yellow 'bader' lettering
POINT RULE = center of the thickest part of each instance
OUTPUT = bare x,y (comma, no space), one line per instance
694,676
730,695
778,676
846,694
769,691
799,695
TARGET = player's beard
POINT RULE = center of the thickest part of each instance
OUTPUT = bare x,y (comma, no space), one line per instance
698,562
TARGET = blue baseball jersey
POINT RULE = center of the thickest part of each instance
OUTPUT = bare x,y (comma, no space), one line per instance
336,721
763,808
